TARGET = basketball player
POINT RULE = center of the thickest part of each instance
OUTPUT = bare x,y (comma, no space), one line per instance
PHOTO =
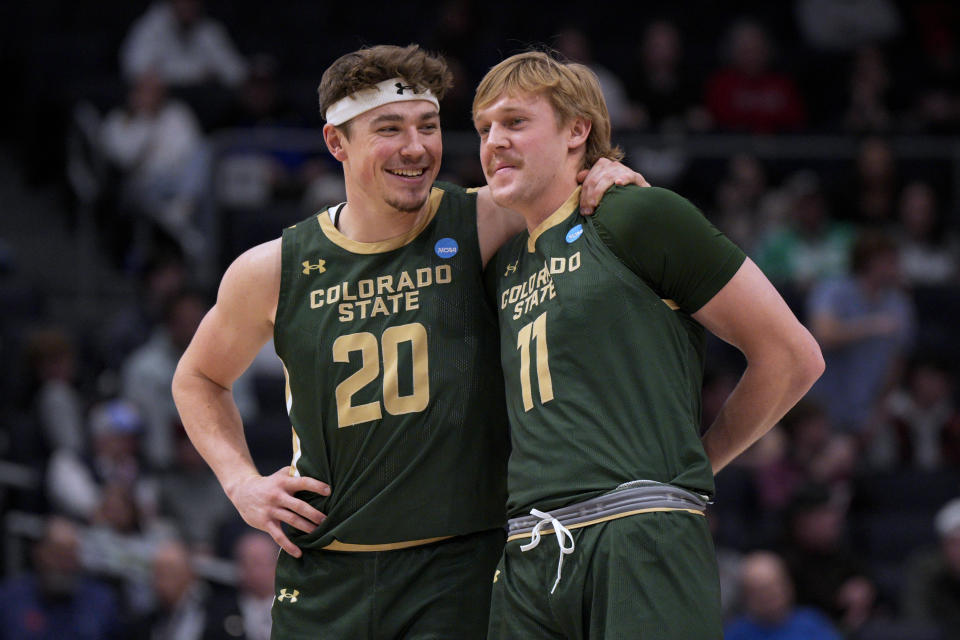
602,341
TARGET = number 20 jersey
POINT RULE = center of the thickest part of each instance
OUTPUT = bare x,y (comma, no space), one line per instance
394,388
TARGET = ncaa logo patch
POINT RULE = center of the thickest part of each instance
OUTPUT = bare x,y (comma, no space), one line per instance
446,248
574,233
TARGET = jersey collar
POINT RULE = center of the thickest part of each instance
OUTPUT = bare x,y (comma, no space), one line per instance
334,235
554,219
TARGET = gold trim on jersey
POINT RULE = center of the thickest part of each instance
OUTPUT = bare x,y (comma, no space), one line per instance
287,394
670,303
615,516
354,246
297,453
473,189
554,219
336,545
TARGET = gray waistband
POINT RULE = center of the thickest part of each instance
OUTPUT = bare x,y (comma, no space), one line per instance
630,496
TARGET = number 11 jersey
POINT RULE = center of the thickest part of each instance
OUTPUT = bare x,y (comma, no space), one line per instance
602,359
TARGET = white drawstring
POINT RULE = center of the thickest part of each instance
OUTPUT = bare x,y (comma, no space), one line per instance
548,520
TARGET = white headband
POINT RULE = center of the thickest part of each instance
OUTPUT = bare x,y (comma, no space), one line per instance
392,90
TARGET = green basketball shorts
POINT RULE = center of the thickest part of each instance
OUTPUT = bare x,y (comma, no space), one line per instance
431,592
650,576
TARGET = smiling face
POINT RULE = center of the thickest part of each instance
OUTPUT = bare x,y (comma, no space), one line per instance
529,159
391,157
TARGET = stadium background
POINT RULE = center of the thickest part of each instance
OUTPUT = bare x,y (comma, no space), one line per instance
857,130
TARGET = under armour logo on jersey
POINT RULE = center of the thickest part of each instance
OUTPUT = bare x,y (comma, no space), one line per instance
292,596
511,268
320,267
400,88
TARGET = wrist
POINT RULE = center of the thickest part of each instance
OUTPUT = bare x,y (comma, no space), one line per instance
236,483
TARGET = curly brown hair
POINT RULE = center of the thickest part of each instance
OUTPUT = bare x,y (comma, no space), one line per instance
370,65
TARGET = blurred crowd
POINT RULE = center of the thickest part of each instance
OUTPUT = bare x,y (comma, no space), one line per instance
192,136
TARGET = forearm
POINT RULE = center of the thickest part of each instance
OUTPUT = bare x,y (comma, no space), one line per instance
761,398
212,421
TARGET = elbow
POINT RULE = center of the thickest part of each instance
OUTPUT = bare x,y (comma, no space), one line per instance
176,386
180,383
809,363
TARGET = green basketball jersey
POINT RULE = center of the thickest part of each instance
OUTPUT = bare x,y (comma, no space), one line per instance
394,390
602,362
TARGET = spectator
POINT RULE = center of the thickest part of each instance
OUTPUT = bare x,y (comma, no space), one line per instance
666,96
864,324
868,106
747,95
868,197
574,45
811,452
929,252
932,590
810,245
934,78
57,600
185,47
769,609
922,426
191,495
739,200
57,402
261,102
163,275
180,597
157,145
121,542
729,563
75,483
148,372
245,613
826,571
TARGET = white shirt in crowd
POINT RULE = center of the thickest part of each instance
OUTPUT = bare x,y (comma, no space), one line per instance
204,52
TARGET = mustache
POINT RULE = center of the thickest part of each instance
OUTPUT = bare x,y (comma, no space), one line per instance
501,160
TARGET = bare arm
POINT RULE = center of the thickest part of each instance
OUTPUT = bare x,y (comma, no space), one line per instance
225,344
783,361
496,224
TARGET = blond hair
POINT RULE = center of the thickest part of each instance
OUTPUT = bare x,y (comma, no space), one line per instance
572,89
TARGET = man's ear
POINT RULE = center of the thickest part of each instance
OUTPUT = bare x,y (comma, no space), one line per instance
578,132
334,139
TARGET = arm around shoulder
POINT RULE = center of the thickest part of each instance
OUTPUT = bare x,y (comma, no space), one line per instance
495,224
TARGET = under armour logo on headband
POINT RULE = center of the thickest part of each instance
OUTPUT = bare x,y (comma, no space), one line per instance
387,91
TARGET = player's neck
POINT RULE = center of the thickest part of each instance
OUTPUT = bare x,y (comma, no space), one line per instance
549,201
365,219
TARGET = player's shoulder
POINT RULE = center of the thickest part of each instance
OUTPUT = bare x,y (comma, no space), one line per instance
257,262
251,284
646,212
456,201
308,225
453,189
642,200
